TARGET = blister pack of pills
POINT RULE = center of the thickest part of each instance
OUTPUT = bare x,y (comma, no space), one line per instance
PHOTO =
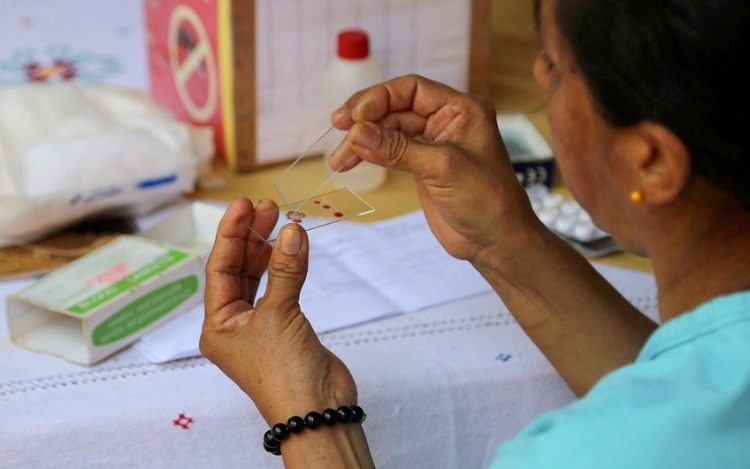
571,222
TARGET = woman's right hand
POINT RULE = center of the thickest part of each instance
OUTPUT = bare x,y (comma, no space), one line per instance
449,141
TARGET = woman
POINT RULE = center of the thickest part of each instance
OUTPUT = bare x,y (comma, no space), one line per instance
647,116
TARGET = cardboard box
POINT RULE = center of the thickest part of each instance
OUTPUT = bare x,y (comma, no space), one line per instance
192,228
106,300
529,152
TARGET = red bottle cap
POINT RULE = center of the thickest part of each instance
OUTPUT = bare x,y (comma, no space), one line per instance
353,44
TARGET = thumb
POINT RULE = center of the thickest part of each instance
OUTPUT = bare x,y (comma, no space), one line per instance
287,268
392,148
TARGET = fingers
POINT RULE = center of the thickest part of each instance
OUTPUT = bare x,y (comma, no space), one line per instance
389,124
406,103
342,158
409,123
287,269
228,263
393,149
258,251
404,96
264,219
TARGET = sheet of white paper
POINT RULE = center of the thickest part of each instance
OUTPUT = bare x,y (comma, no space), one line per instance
334,296
357,273
401,258
178,339
361,272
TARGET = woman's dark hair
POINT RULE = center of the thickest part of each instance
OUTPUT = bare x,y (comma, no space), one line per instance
675,62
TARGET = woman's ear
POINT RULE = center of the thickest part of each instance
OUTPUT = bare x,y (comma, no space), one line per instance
662,166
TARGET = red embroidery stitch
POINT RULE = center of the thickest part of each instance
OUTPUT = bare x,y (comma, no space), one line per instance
183,421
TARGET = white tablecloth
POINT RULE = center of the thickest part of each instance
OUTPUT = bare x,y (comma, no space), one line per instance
442,389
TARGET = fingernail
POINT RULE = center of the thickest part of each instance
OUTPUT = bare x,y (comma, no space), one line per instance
291,241
340,110
367,136
263,204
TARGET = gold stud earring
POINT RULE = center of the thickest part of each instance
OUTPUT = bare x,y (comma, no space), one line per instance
636,196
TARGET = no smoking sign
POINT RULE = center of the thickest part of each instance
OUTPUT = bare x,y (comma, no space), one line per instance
184,57
192,64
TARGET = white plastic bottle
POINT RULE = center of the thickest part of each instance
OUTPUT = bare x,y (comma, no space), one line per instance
350,71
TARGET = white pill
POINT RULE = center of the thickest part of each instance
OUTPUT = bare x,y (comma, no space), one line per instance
584,231
548,215
570,208
565,223
552,200
537,191
584,217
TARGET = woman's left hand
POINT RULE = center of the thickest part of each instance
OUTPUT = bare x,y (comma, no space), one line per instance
269,349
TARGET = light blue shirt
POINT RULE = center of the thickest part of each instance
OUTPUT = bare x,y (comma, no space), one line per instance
684,403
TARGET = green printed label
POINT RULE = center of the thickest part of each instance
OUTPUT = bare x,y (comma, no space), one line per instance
158,265
144,311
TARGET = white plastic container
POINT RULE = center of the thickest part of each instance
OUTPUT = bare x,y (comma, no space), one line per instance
351,70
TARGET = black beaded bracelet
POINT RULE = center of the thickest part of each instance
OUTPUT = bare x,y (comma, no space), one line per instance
272,438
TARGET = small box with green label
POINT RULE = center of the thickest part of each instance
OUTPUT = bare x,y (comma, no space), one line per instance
106,300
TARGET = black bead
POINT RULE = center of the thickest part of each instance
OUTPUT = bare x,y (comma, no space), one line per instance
280,431
272,449
270,440
358,415
345,414
295,424
330,417
313,420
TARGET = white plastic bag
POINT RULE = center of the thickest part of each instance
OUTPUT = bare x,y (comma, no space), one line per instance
72,150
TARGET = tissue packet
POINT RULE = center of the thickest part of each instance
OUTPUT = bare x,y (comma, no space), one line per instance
69,151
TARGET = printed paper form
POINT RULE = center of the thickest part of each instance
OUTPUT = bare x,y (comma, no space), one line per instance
358,272
297,40
391,266
401,258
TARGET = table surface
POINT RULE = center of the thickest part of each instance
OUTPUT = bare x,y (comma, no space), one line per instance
425,379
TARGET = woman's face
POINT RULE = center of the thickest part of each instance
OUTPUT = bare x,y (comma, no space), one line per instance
584,144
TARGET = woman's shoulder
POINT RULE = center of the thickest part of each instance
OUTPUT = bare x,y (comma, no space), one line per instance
684,403
694,367
708,326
